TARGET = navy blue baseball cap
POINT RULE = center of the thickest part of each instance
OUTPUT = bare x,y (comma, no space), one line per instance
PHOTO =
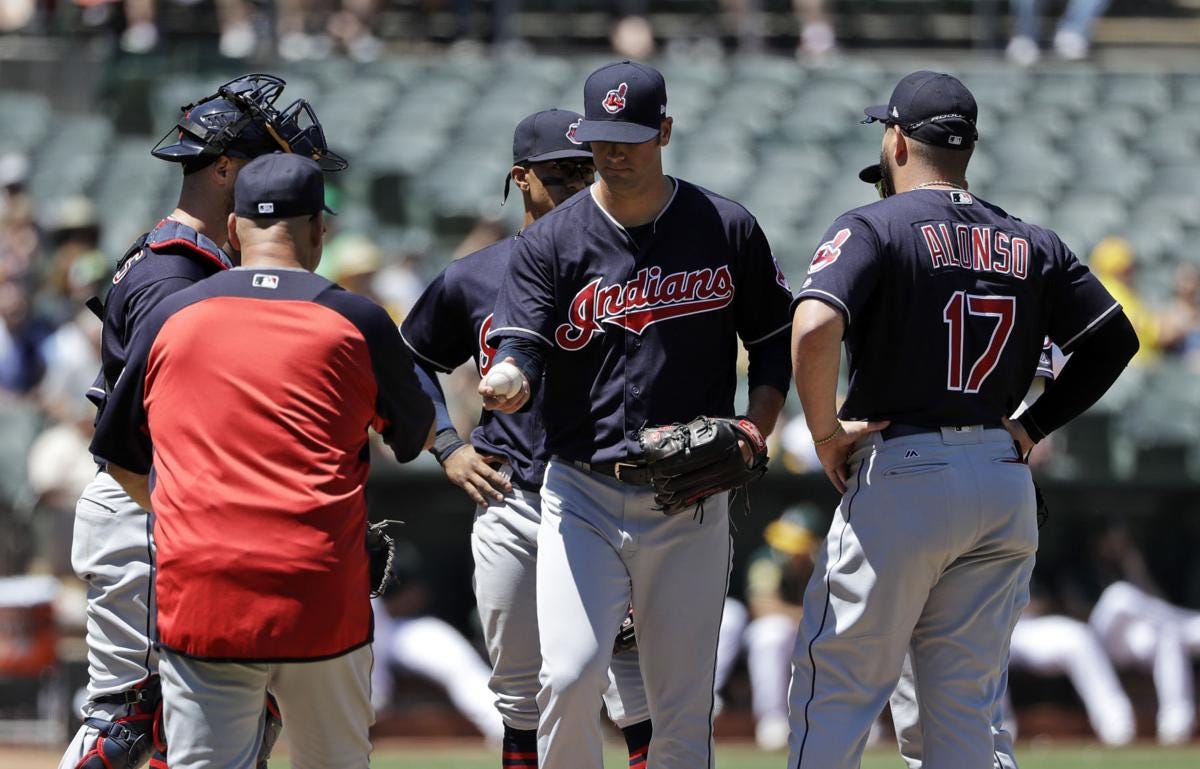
932,108
279,186
549,135
623,102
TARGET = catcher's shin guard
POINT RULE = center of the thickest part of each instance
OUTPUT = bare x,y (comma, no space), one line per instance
127,742
271,730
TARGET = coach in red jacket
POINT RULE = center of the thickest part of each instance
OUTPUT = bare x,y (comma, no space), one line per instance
241,421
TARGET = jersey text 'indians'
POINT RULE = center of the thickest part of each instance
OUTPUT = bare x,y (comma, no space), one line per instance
646,299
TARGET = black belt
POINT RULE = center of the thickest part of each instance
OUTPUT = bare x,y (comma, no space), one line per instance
633,473
900,431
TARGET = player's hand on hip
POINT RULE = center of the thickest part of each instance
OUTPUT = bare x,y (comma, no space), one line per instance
494,401
834,454
1020,437
474,473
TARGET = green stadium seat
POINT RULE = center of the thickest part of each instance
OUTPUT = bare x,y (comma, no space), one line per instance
25,120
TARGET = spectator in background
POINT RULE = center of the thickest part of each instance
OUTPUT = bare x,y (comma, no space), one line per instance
817,39
310,29
1182,316
75,268
19,237
1072,40
408,638
353,263
21,338
141,34
1113,262
400,284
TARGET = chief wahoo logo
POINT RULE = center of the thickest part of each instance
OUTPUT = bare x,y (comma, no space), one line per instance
571,129
614,101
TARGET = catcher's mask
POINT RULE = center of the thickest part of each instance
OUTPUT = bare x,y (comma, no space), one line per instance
240,120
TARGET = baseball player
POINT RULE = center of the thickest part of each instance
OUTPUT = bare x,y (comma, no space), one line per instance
112,549
943,301
501,468
1138,628
1043,643
410,639
261,569
775,578
631,298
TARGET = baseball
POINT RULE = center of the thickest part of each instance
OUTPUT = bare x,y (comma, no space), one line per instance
505,379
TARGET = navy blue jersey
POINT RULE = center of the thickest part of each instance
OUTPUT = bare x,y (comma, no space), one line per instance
640,332
947,301
449,325
170,257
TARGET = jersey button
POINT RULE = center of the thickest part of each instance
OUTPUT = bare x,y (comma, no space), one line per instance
635,390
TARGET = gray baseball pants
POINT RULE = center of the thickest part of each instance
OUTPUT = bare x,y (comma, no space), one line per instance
602,545
504,543
931,546
111,550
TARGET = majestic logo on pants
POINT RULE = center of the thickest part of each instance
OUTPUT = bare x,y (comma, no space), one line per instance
643,301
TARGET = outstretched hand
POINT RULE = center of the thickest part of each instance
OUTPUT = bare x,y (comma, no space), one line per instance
835,453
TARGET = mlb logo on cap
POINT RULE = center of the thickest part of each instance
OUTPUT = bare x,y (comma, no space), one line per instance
624,103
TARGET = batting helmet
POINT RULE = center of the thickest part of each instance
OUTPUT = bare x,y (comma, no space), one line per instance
240,120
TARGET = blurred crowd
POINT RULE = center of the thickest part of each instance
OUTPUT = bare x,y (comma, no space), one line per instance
295,30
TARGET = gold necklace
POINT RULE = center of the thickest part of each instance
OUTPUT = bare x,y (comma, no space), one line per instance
938,182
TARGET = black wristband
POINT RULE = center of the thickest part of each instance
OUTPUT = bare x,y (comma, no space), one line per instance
1035,433
446,443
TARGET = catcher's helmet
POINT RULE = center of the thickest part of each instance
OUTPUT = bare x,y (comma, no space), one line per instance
240,120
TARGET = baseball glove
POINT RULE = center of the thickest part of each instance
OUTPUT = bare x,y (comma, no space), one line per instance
690,462
381,552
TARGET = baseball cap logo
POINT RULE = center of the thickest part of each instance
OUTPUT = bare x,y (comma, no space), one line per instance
571,129
895,113
614,101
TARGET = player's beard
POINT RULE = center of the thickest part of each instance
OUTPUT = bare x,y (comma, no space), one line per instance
885,186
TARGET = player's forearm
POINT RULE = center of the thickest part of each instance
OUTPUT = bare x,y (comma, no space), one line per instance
765,403
428,379
816,358
1087,375
528,355
136,485
771,363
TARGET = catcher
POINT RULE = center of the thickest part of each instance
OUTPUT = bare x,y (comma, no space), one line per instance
112,547
631,297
